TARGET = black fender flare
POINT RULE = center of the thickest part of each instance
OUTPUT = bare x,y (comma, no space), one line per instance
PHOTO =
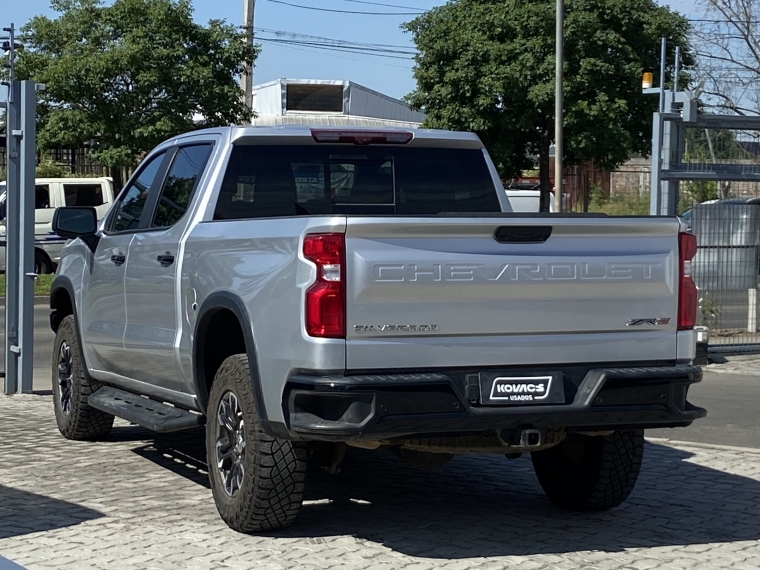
62,282
224,300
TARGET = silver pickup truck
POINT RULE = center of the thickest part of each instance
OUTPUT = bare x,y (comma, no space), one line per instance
299,290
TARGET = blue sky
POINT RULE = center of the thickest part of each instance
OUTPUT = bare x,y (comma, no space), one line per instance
390,76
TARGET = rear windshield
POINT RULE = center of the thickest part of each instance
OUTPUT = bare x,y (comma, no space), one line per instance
267,181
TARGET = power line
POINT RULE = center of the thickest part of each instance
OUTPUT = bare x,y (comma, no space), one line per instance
349,49
373,62
347,11
719,21
382,4
409,49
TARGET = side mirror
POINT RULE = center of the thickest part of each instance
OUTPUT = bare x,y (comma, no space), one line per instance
75,221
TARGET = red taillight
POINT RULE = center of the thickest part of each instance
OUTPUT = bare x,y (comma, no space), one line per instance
326,299
687,291
361,137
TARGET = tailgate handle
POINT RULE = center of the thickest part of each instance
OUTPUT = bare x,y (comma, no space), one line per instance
522,234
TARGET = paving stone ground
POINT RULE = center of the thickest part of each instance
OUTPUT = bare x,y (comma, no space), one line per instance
141,501
744,364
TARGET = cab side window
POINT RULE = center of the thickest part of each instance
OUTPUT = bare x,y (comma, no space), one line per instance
134,197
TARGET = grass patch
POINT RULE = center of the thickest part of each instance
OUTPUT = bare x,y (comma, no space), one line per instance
41,285
620,204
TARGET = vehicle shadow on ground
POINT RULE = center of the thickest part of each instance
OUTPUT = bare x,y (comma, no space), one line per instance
481,506
181,452
38,513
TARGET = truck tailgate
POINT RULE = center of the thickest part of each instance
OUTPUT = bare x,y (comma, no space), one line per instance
445,292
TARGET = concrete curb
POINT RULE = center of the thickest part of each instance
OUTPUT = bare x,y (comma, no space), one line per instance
681,443
38,300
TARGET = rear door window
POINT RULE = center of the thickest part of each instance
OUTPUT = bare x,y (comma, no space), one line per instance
83,194
178,190
283,180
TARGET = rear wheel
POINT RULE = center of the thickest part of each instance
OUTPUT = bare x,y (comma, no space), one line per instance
590,473
71,388
257,480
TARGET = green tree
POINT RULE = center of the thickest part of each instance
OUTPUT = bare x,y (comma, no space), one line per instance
488,66
724,145
124,77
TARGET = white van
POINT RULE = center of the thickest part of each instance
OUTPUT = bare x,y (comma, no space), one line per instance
526,200
50,193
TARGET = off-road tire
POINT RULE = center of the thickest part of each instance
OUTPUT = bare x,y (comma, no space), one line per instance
590,473
82,422
272,487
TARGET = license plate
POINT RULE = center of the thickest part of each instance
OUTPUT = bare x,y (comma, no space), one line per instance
500,389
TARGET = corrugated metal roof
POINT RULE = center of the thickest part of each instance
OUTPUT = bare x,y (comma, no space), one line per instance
330,120
271,99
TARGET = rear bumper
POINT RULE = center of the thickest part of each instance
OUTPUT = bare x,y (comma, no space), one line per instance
387,406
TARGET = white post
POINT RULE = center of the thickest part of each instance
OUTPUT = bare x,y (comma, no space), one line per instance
558,107
752,310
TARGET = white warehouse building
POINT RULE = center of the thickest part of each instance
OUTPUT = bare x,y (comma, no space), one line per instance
329,103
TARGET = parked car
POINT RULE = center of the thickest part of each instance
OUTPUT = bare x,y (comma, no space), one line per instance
49,194
687,215
302,290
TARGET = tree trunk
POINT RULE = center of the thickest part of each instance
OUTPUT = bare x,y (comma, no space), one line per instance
543,174
118,179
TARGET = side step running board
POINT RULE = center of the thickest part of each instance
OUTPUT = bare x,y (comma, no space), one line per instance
142,411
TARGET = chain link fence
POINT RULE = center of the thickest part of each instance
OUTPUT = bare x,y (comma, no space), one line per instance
725,216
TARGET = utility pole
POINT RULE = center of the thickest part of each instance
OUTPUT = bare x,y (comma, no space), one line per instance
247,78
558,106
658,124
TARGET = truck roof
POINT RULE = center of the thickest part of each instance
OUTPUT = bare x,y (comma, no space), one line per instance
426,137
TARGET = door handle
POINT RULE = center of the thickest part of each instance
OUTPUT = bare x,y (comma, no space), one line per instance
166,259
118,259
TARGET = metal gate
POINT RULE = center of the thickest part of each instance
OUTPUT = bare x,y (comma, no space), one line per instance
726,271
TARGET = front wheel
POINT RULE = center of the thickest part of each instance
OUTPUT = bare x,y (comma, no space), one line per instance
590,473
257,480
76,419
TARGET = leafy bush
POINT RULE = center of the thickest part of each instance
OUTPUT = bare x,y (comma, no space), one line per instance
696,192
50,169
618,205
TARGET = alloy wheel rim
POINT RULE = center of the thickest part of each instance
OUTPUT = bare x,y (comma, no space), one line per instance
65,377
230,444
